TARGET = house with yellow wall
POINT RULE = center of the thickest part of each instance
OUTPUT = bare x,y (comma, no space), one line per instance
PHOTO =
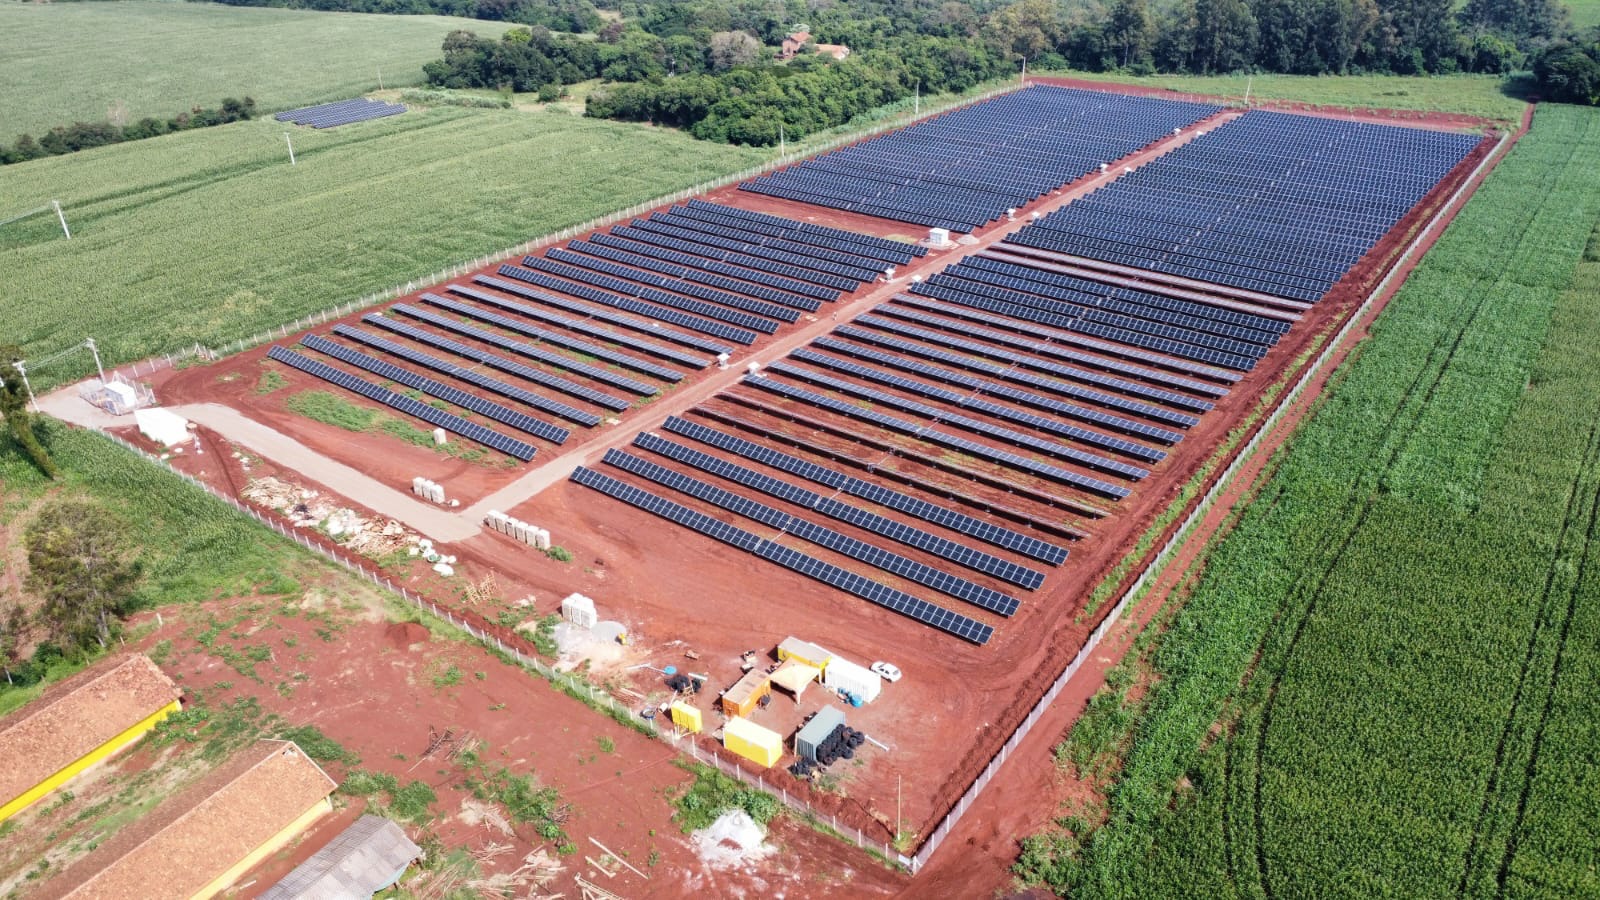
203,840
78,722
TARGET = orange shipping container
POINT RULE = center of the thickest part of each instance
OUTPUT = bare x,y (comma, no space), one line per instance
741,699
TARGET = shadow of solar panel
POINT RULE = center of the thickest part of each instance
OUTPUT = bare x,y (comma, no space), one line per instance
470,402
554,359
976,560
492,439
920,610
1019,361
930,434
928,512
505,365
893,563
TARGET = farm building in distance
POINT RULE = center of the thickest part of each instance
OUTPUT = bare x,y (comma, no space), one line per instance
796,41
77,723
198,843
364,859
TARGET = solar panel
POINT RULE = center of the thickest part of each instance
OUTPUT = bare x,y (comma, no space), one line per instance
1061,451
972,399
471,402
573,388
590,314
932,435
492,439
898,601
1014,373
1071,410
1019,361
928,512
553,337
468,375
960,588
976,560
585,284
531,352
606,260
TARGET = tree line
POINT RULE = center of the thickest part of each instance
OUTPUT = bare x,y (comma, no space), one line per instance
83,135
557,15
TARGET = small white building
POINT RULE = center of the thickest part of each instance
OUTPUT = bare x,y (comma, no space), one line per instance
579,610
843,675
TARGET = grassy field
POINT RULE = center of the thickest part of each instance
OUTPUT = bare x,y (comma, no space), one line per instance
1585,13
1473,95
1383,684
62,62
211,235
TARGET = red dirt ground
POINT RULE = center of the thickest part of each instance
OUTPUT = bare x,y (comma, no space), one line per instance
705,599
379,696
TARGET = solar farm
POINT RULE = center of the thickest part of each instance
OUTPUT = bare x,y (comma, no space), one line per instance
343,112
784,409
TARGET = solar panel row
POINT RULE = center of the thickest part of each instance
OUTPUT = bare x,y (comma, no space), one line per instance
468,375
893,563
965,168
928,512
1271,202
932,435
496,362
539,354
470,402
911,537
643,326
920,610
343,112
493,439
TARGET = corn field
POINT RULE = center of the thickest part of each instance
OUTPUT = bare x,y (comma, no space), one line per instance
1399,638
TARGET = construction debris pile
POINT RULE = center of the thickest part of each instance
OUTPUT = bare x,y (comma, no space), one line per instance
306,508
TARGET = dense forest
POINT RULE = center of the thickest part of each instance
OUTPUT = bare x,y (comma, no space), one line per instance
711,67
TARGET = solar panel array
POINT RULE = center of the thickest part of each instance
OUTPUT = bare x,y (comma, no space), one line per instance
1187,329
469,402
1273,203
965,168
492,439
898,601
344,112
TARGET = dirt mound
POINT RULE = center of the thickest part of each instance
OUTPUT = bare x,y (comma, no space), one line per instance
403,634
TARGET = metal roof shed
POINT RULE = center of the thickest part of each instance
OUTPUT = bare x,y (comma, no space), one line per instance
364,859
809,738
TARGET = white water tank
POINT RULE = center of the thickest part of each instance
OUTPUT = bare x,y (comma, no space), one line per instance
439,437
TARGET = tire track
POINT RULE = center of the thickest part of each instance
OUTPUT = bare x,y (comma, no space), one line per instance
1366,503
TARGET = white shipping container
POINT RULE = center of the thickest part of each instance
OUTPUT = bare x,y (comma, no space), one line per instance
541,539
843,675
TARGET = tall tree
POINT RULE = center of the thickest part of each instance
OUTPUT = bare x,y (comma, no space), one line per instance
1224,36
14,407
1128,31
733,48
81,566
1517,19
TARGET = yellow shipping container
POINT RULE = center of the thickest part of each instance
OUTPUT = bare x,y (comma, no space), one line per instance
687,717
761,746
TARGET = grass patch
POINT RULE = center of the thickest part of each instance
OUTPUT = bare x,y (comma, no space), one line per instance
280,57
367,207
1472,95
714,793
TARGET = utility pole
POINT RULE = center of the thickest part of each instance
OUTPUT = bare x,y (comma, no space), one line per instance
783,145
62,217
291,147
89,342
1249,80
916,108
380,77
897,806
22,370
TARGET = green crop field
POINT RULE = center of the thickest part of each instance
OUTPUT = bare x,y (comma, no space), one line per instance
1585,13
1473,95
211,235
63,62
1399,640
